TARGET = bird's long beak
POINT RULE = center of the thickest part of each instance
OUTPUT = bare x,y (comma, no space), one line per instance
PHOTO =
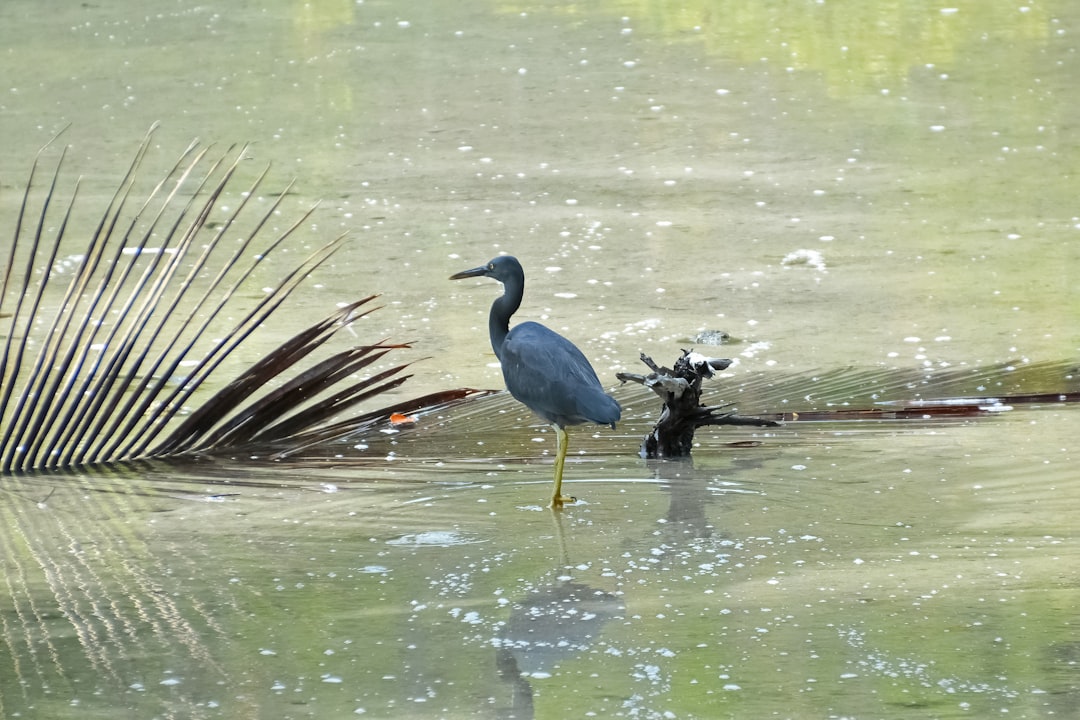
475,272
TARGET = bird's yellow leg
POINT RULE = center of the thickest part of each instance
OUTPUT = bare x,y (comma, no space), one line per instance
557,498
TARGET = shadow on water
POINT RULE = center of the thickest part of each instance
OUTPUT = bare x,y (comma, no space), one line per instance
899,565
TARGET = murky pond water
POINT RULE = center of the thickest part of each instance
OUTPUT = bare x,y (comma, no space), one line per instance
838,185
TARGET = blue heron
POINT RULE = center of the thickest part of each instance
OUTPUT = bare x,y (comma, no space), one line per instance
542,369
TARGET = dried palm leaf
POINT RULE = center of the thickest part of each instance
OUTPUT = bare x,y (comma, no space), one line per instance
113,365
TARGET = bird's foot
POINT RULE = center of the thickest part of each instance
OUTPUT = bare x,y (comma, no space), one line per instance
559,500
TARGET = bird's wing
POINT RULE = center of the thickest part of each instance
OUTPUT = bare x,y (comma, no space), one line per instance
552,377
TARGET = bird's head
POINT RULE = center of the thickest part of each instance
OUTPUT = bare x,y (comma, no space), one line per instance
503,268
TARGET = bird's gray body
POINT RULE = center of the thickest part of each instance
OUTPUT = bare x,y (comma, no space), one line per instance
547,373
542,369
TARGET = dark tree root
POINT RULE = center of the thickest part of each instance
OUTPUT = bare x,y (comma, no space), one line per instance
683,413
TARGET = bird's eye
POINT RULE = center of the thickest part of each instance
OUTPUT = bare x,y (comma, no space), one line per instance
491,266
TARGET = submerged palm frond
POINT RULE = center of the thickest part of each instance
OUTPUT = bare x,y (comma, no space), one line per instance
109,366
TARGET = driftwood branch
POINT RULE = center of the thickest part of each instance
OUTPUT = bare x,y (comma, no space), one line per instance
680,389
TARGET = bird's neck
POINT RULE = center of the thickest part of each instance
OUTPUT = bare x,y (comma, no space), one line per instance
499,321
